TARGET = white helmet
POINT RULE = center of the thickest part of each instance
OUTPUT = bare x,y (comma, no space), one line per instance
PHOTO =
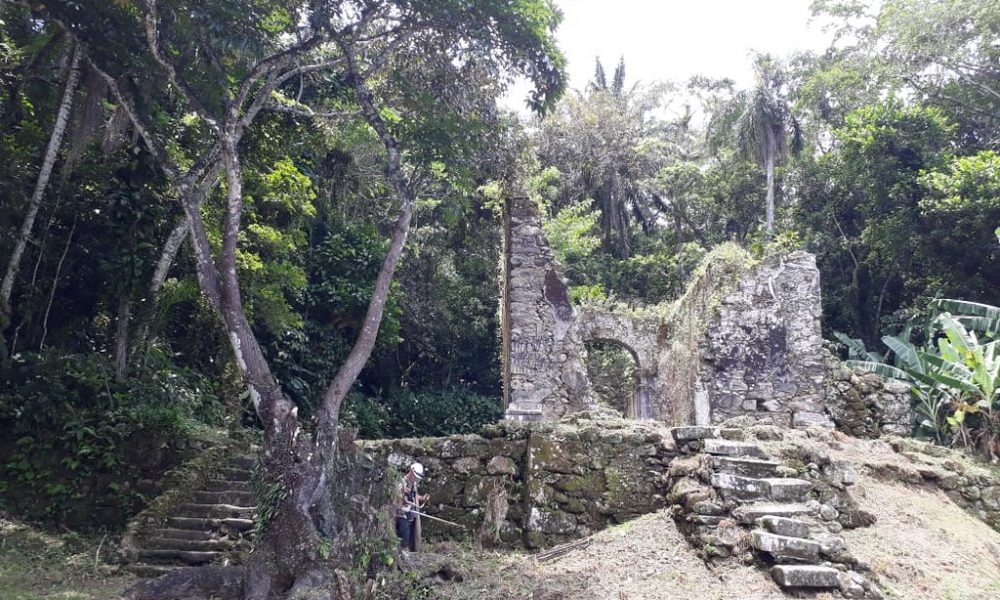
418,470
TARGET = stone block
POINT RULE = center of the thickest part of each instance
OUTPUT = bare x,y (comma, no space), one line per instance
805,576
692,433
748,513
730,448
784,526
750,467
501,465
784,547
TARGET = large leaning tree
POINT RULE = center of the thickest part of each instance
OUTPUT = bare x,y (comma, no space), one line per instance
397,65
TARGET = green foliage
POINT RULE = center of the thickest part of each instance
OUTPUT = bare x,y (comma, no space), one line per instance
954,374
572,233
421,414
72,430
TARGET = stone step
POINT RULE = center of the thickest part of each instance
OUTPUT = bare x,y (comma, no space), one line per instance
234,474
748,513
202,524
185,556
784,548
733,448
224,485
229,497
788,489
693,433
784,526
749,467
158,543
149,571
242,462
179,534
805,576
215,511
775,489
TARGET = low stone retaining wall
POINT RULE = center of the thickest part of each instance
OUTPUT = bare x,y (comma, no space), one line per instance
534,485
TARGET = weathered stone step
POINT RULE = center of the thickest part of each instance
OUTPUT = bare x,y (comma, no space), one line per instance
783,526
229,497
224,485
748,513
788,489
748,467
150,571
731,448
186,556
234,474
750,488
154,543
783,548
805,576
179,534
242,462
202,524
693,432
216,511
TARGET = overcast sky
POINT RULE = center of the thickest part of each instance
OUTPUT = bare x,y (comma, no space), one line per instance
675,39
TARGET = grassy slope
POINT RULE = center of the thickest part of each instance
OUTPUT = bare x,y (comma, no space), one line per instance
41,566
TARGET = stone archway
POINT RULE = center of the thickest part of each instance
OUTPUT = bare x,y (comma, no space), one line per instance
639,337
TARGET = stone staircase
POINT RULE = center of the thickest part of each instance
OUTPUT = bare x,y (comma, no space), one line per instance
733,501
210,522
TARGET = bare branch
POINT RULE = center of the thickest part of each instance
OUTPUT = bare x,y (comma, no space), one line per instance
307,111
152,22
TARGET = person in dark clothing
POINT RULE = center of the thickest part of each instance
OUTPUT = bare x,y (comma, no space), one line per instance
409,503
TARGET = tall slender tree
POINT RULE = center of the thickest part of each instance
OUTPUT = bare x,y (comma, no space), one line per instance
760,124
73,55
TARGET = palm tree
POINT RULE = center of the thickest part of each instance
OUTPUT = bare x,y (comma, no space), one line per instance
760,123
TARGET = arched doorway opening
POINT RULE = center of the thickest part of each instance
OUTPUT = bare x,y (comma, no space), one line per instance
615,376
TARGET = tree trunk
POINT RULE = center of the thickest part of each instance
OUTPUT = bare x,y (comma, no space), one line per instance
121,334
51,153
769,208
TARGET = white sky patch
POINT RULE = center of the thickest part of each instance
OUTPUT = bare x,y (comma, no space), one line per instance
675,39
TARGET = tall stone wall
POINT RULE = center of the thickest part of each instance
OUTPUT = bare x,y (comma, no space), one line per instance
543,371
763,352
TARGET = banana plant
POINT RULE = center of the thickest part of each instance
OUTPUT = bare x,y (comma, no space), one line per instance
956,374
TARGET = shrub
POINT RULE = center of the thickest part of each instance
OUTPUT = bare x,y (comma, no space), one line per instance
72,433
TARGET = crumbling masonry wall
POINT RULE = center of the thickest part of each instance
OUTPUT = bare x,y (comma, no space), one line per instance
544,374
539,484
744,339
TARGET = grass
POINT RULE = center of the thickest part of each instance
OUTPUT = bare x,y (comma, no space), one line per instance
39,565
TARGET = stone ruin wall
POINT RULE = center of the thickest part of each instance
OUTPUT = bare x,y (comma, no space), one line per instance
762,354
544,374
744,339
541,483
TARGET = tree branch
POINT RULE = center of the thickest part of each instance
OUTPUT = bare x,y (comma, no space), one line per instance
327,415
152,24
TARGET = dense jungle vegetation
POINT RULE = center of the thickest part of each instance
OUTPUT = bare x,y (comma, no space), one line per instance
879,155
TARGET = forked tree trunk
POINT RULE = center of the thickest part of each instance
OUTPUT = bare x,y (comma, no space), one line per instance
42,182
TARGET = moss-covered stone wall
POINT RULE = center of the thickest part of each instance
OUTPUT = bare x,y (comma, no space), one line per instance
534,485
